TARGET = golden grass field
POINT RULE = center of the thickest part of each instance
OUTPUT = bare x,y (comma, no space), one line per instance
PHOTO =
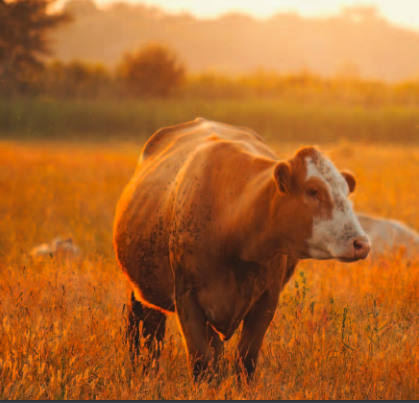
341,331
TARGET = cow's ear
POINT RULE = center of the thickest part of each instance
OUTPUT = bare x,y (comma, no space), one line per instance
282,177
350,180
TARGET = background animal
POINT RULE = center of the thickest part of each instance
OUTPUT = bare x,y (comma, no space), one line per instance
58,247
387,234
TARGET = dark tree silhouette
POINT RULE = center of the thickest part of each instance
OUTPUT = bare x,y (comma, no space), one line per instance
24,28
152,71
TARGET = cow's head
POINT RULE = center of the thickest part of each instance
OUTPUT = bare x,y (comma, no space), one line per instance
320,221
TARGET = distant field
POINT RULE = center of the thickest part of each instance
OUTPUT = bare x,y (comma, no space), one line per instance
276,119
341,331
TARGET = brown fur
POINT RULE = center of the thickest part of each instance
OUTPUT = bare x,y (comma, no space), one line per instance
211,226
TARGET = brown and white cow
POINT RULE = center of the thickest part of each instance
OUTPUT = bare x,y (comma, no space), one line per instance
212,225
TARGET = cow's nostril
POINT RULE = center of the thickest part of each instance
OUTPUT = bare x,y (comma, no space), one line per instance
358,245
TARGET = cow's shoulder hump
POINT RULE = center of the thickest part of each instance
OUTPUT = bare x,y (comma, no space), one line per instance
163,137
201,130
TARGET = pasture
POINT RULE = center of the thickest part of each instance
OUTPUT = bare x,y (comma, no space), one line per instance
341,331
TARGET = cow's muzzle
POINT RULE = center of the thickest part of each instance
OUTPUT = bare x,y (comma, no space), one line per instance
358,249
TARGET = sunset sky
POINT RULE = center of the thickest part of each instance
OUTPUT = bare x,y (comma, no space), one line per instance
400,12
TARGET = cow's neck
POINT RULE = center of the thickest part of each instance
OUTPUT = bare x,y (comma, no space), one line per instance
262,222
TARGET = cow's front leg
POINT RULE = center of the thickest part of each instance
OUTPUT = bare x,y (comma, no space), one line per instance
255,325
203,344
217,345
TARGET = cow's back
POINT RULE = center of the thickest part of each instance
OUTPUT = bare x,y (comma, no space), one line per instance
188,135
144,213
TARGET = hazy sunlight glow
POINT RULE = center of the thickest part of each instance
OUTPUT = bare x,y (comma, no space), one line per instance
403,12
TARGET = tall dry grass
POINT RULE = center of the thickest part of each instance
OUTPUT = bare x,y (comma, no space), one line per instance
341,331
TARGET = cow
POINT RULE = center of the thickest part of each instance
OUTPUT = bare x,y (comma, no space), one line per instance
387,234
211,227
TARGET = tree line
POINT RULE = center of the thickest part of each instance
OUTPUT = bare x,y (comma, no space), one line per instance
155,70
150,72
25,27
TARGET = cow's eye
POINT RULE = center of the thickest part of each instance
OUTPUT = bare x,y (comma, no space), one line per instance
313,193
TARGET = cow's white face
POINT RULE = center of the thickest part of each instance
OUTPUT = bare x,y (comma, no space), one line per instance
336,232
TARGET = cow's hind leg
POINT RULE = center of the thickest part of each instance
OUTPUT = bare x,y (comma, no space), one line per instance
153,329
134,317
